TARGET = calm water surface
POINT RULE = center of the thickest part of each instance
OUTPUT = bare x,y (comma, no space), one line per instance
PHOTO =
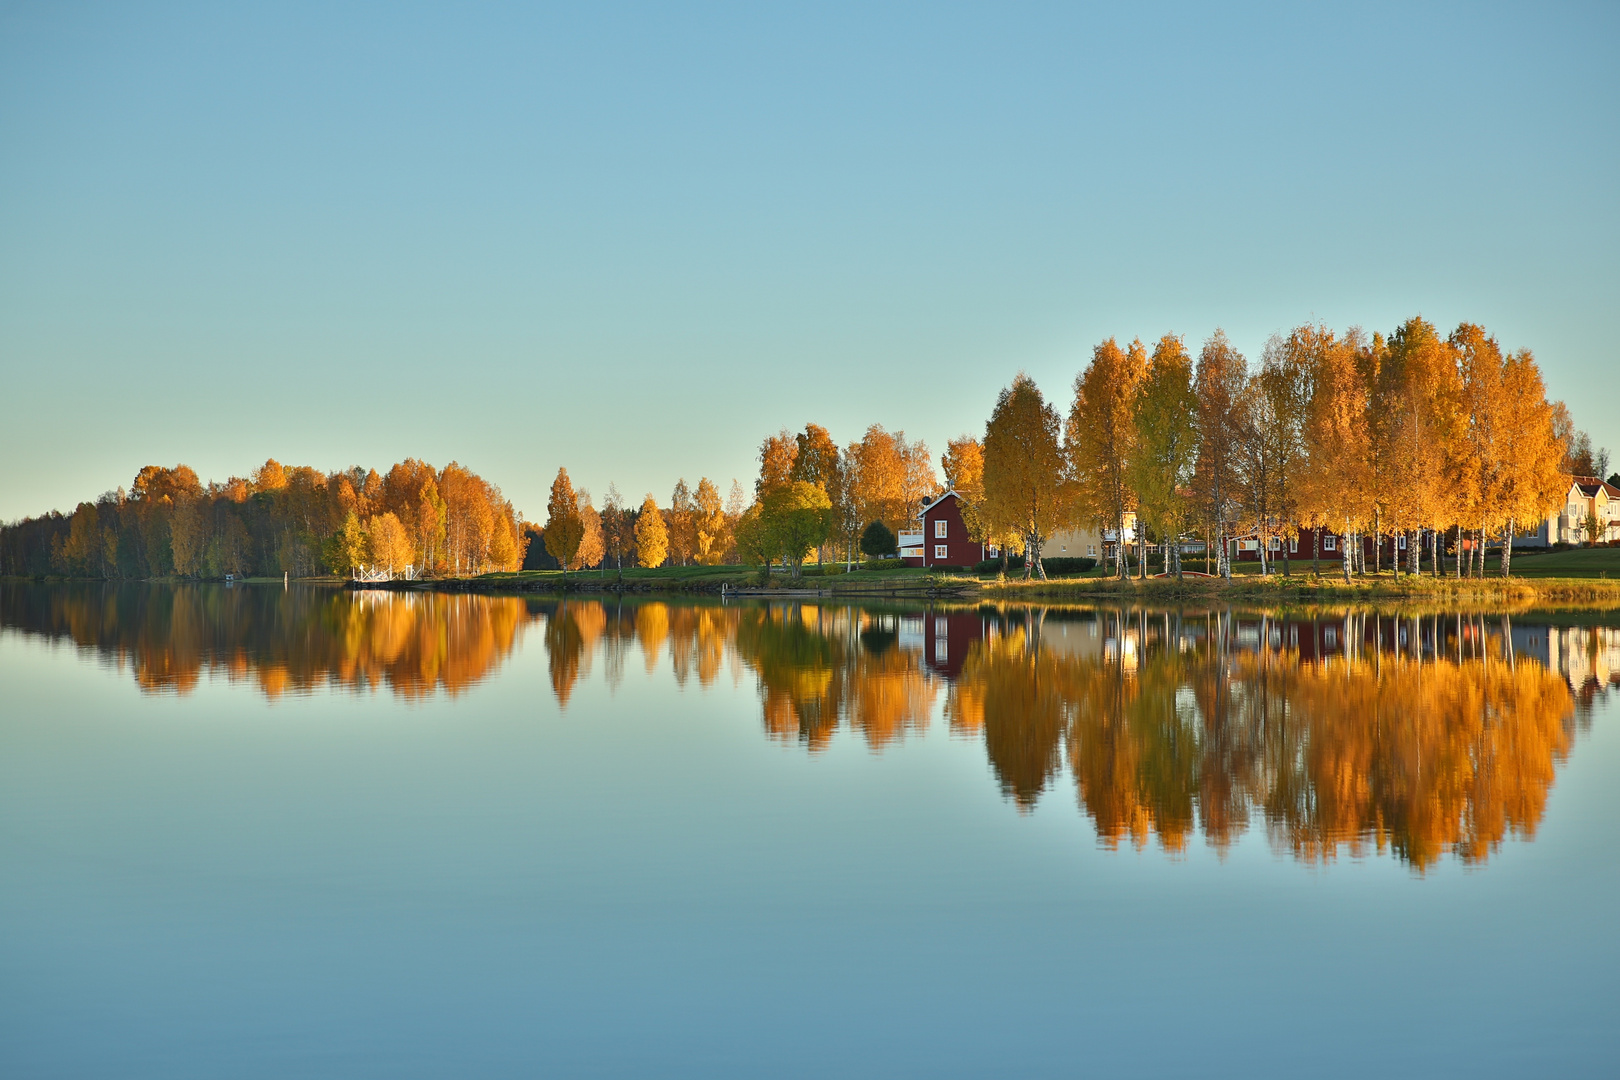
261,832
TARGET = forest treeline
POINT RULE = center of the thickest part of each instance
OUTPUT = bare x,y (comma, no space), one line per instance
280,519
1440,438
1437,438
811,495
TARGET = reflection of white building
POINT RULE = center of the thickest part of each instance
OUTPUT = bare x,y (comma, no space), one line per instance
1584,655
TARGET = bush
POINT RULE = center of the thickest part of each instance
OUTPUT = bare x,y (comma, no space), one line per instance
879,540
1055,567
824,570
883,564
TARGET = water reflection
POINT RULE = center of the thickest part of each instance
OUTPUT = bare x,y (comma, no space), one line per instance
1353,733
285,641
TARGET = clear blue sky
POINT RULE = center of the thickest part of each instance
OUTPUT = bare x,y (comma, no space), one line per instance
634,240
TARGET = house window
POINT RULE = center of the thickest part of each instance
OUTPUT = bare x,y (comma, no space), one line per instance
939,529
942,551
1275,544
1400,542
1293,545
1330,543
1091,549
942,651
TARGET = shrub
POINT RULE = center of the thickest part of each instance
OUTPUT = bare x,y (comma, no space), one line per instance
883,564
1057,566
824,570
879,540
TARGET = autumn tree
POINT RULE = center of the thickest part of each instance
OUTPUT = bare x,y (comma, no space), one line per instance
618,527
1413,416
1165,446
889,477
1272,420
564,529
1023,469
709,523
592,542
1100,441
680,521
963,465
1338,487
1533,485
1218,385
776,459
819,462
652,538
390,545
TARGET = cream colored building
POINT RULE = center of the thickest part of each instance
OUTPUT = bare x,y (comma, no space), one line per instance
1087,542
1567,524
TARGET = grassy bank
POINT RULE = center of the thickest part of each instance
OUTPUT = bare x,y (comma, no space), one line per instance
1303,587
830,579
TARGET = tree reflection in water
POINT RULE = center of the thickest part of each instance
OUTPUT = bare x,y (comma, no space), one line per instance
1354,733
286,641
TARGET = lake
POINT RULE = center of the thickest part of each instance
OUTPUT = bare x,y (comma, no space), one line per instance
259,831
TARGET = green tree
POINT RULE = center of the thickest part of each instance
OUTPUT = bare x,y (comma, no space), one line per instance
878,540
346,548
1165,446
799,517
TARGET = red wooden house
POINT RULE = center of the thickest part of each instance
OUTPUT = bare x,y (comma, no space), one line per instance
1247,548
943,539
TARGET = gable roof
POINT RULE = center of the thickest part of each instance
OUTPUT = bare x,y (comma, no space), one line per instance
936,500
1591,485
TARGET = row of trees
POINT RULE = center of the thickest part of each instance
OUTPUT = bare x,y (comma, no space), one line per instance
280,519
811,496
1417,434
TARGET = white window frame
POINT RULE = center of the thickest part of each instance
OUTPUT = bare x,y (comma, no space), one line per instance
1091,549
940,529
1400,542
1330,543
1293,545
942,551
1274,543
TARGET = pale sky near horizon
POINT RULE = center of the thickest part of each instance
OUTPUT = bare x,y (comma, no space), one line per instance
633,240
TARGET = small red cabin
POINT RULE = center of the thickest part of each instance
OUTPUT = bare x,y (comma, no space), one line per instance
943,539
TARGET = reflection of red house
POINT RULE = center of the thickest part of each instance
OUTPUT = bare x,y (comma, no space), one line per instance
943,540
947,639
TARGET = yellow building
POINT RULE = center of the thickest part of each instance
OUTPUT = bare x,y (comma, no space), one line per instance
1587,495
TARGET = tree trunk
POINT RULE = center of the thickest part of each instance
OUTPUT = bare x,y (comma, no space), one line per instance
1288,569
1316,551
1507,550
1178,556
1040,567
1378,541
1345,543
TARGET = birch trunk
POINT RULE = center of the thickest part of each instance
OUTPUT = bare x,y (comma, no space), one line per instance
1507,551
1346,552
